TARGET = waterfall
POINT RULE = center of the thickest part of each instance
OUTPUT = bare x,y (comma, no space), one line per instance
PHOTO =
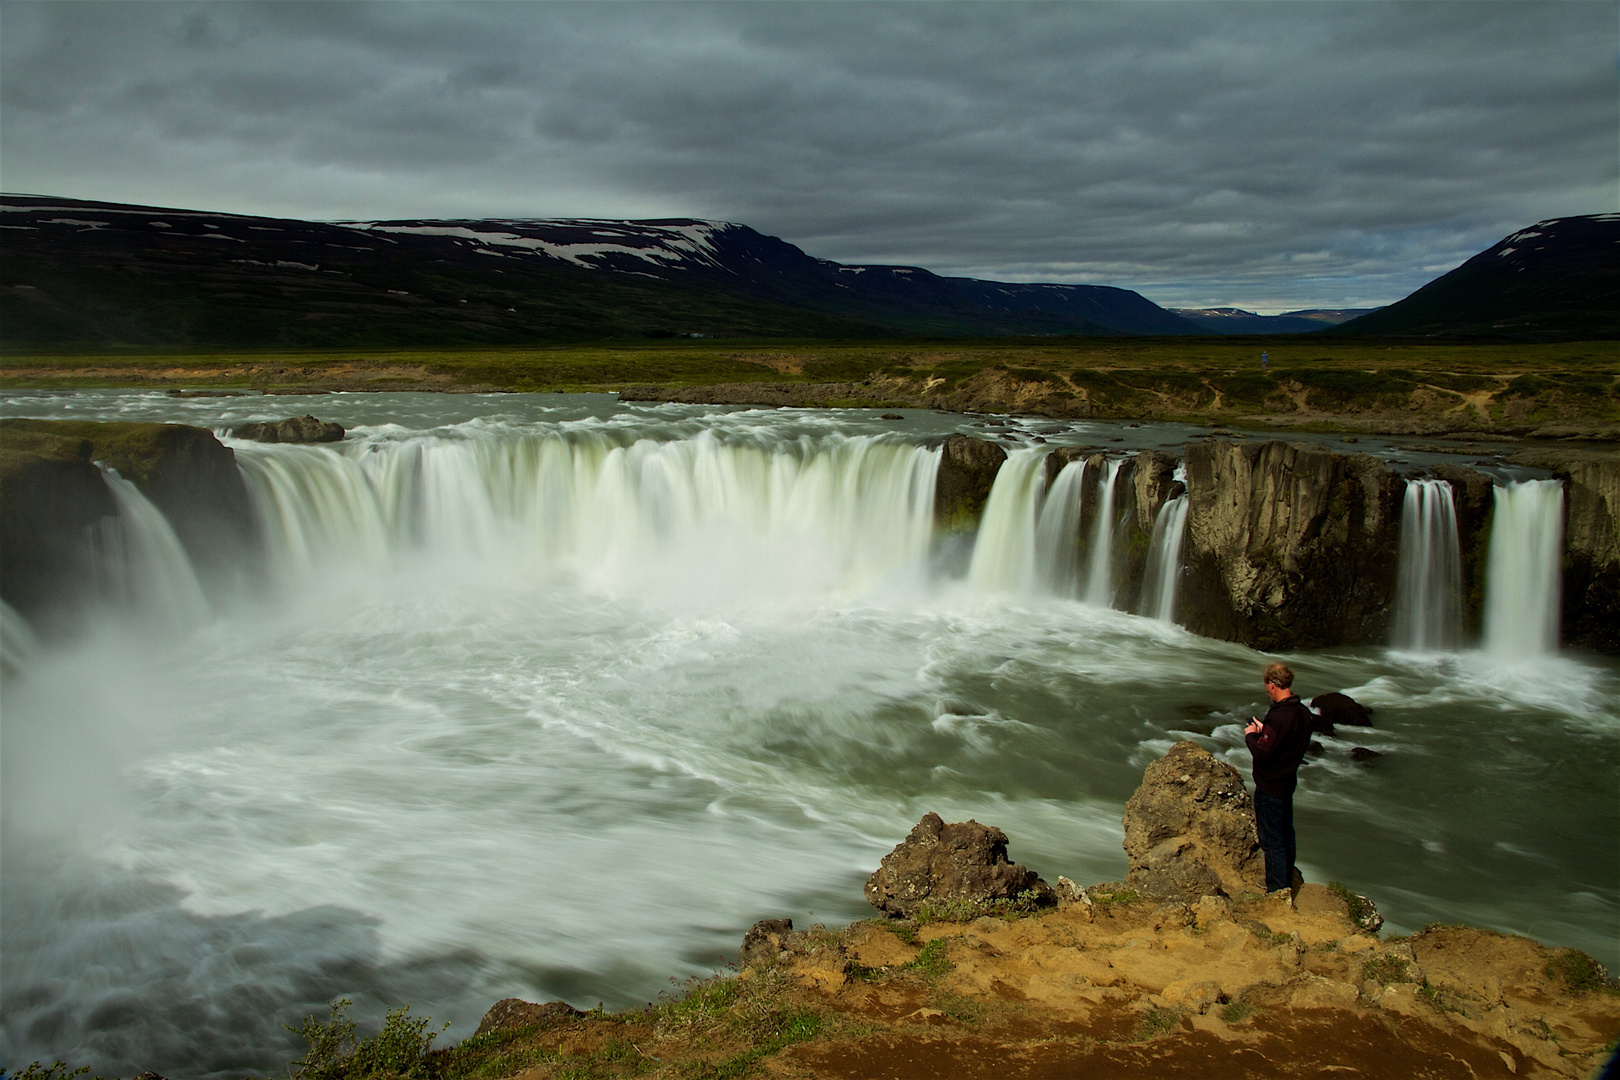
17,640
1100,580
139,563
1057,532
1164,560
1428,586
698,514
1521,578
1004,554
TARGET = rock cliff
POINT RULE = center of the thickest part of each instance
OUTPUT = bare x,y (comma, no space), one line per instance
967,471
1289,546
52,491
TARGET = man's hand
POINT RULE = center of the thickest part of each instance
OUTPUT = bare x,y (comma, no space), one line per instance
1254,726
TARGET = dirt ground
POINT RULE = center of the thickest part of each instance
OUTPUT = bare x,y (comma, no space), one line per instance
1110,985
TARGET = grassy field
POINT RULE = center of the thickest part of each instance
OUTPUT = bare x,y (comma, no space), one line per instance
1306,378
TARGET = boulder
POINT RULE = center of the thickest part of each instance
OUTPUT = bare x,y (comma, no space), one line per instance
967,471
764,940
963,861
294,429
509,1013
1337,708
1189,829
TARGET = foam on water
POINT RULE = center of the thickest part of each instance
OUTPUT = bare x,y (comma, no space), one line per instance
557,706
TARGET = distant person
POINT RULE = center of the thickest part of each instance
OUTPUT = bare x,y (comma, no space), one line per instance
1262,361
1278,744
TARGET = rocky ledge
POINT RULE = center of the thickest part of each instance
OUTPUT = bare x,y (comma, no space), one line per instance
979,970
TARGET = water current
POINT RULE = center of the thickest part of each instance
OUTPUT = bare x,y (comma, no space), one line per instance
553,697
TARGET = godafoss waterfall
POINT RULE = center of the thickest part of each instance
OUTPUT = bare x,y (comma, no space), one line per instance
554,696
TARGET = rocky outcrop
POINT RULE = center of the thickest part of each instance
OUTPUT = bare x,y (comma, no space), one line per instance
763,941
1288,545
1189,829
948,864
1336,708
1591,614
51,496
294,429
509,1014
967,471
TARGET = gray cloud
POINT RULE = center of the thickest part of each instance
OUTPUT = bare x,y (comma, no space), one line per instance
1270,155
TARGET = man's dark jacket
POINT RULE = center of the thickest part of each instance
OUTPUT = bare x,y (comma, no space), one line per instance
1280,745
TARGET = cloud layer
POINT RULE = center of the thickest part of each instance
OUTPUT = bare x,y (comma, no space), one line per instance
1268,155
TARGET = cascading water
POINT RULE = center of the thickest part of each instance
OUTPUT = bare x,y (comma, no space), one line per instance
1428,586
552,697
1057,533
1521,578
1100,578
1004,555
1164,560
694,515
140,565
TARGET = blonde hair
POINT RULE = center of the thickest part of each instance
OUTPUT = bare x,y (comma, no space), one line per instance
1279,675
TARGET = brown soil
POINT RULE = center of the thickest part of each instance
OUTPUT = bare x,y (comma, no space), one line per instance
1269,987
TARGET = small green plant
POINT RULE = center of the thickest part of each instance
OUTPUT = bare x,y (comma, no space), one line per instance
1156,1022
399,1049
1579,972
1385,969
906,931
1360,909
1237,1012
57,1070
932,963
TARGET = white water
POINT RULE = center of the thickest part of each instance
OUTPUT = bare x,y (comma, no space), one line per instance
1100,578
557,707
1004,554
1057,533
1521,582
140,565
1163,571
1428,585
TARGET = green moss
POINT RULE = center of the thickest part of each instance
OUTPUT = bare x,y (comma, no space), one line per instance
132,449
1360,909
1580,973
1386,969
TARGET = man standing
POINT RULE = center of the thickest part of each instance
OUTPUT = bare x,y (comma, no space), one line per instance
1278,744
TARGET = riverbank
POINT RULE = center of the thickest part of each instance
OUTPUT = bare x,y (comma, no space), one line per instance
1108,983
1564,391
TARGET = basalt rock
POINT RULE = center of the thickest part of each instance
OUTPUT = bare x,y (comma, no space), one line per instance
294,429
185,472
963,861
1288,545
510,1013
51,496
967,470
764,940
1337,708
1189,829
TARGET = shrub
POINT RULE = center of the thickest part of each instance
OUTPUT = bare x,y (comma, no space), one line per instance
400,1049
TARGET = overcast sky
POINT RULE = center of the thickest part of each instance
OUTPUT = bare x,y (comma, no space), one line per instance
1267,155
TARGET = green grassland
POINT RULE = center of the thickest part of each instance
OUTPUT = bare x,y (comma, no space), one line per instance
1308,378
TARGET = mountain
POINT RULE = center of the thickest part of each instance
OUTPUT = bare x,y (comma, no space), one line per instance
94,275
1228,320
1557,280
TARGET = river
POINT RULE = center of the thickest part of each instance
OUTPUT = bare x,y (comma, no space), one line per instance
552,696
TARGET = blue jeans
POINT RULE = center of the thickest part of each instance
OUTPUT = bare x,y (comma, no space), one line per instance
1274,819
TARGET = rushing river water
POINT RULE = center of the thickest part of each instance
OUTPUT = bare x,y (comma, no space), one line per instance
553,697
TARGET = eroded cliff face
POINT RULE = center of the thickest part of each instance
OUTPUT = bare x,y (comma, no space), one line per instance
1289,546
967,471
52,495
